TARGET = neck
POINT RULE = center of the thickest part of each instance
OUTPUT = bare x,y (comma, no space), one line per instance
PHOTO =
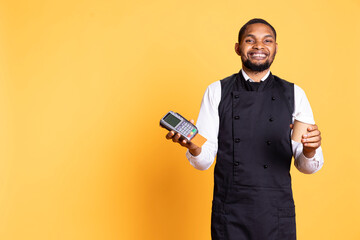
255,76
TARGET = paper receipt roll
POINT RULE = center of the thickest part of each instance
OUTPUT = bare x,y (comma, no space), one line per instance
299,129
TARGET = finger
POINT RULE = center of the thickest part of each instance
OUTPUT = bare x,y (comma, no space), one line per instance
312,128
312,134
183,142
176,137
170,134
192,121
312,139
312,145
291,126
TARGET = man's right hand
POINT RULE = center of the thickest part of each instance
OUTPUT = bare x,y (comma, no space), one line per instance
176,138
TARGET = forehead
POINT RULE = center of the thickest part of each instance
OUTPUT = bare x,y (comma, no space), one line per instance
258,30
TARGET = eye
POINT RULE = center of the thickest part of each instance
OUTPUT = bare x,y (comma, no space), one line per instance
268,40
249,40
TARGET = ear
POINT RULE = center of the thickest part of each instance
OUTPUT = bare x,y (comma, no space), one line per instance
237,48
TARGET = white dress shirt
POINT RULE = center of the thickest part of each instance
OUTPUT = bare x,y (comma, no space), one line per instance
208,126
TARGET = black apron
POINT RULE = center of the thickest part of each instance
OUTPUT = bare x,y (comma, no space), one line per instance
252,184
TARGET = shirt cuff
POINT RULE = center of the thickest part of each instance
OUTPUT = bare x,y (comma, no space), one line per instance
195,160
306,158
309,165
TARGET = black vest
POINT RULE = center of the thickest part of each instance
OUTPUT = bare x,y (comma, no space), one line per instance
252,190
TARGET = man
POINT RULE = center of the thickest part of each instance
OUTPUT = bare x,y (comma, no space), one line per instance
247,119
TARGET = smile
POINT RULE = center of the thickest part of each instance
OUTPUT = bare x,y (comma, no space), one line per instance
258,56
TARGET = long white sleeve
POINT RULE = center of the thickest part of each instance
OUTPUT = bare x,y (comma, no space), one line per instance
208,126
304,114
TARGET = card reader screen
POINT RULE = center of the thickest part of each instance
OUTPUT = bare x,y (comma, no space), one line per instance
172,120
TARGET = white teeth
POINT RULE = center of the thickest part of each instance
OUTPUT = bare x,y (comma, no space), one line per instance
258,55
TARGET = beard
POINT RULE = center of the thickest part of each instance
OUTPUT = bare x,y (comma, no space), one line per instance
257,67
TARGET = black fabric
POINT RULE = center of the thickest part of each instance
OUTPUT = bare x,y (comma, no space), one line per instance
252,190
254,86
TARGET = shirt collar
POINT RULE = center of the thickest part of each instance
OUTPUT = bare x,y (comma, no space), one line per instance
247,78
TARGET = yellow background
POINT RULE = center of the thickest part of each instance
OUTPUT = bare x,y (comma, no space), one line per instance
83,85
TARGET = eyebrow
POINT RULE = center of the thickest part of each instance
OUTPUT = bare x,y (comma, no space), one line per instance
251,35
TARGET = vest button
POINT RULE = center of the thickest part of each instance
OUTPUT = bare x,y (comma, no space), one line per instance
266,166
236,96
236,163
237,140
268,142
273,98
271,119
236,117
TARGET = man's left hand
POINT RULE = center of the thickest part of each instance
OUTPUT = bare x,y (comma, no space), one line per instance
311,141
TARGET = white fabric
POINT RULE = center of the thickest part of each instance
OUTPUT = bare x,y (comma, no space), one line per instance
208,126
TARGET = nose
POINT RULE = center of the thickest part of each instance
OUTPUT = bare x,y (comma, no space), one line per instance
258,45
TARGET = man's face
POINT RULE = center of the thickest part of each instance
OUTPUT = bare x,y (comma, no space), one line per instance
257,48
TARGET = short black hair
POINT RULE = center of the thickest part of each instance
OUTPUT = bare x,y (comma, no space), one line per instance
253,21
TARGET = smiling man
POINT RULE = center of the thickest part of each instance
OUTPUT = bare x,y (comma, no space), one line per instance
247,119
258,46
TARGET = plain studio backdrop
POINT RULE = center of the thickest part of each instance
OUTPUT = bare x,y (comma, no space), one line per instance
83,85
